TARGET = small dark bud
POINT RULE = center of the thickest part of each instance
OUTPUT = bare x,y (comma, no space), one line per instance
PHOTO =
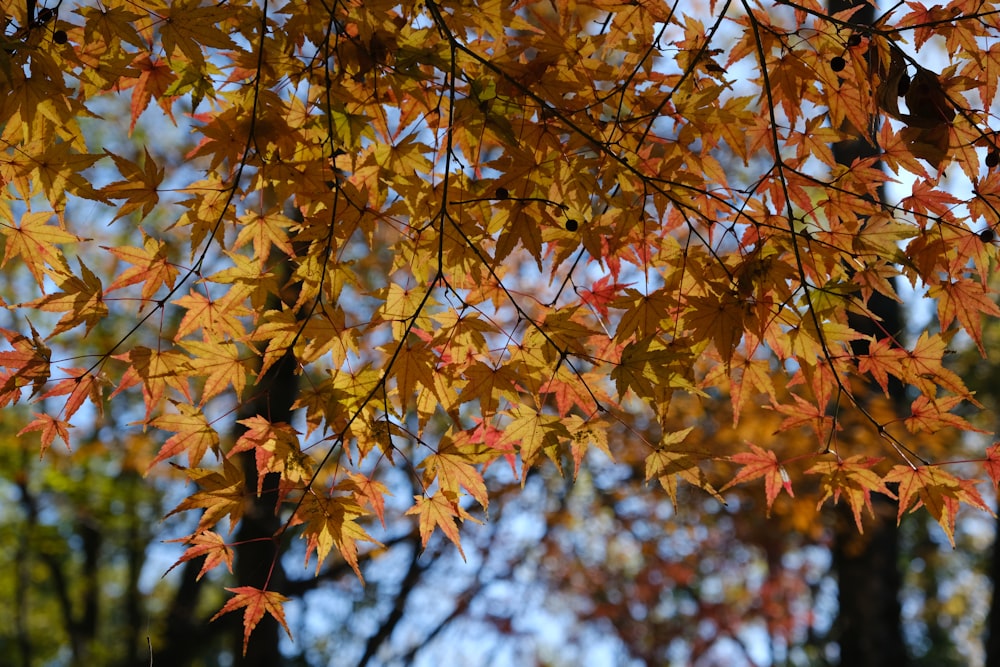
987,235
60,37
837,63
502,193
572,225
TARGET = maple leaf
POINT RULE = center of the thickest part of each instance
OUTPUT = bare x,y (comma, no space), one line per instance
332,522
932,414
476,225
369,492
968,301
586,434
249,279
151,268
521,226
669,462
438,511
884,358
650,363
412,366
188,27
219,317
29,361
82,300
192,434
937,490
602,293
925,367
155,78
50,427
80,385
276,449
761,463
254,602
992,463
452,470
222,365
534,432
209,544
718,318
806,413
139,188
746,376
157,371
263,232
35,241
643,312
221,494
854,478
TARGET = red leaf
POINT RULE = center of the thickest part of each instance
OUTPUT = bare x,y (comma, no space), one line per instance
255,602
602,293
761,463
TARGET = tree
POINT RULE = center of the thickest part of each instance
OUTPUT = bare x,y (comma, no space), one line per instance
427,248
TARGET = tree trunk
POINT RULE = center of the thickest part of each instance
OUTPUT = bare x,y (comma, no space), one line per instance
993,620
867,566
258,559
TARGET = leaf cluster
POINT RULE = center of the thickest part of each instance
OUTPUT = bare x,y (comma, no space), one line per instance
492,231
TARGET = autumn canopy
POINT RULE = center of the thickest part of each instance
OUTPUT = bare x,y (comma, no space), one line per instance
482,237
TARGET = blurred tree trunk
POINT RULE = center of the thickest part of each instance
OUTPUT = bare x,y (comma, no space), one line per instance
867,565
257,559
993,620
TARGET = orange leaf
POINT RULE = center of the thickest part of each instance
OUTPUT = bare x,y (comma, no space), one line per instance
157,371
139,188
534,432
452,470
34,242
933,414
332,522
151,267
602,293
193,434
992,463
81,385
884,358
719,318
81,299
854,478
28,361
255,602
50,428
220,494
221,364
967,300
209,544
925,370
371,493
761,463
939,491
668,462
438,511
154,79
